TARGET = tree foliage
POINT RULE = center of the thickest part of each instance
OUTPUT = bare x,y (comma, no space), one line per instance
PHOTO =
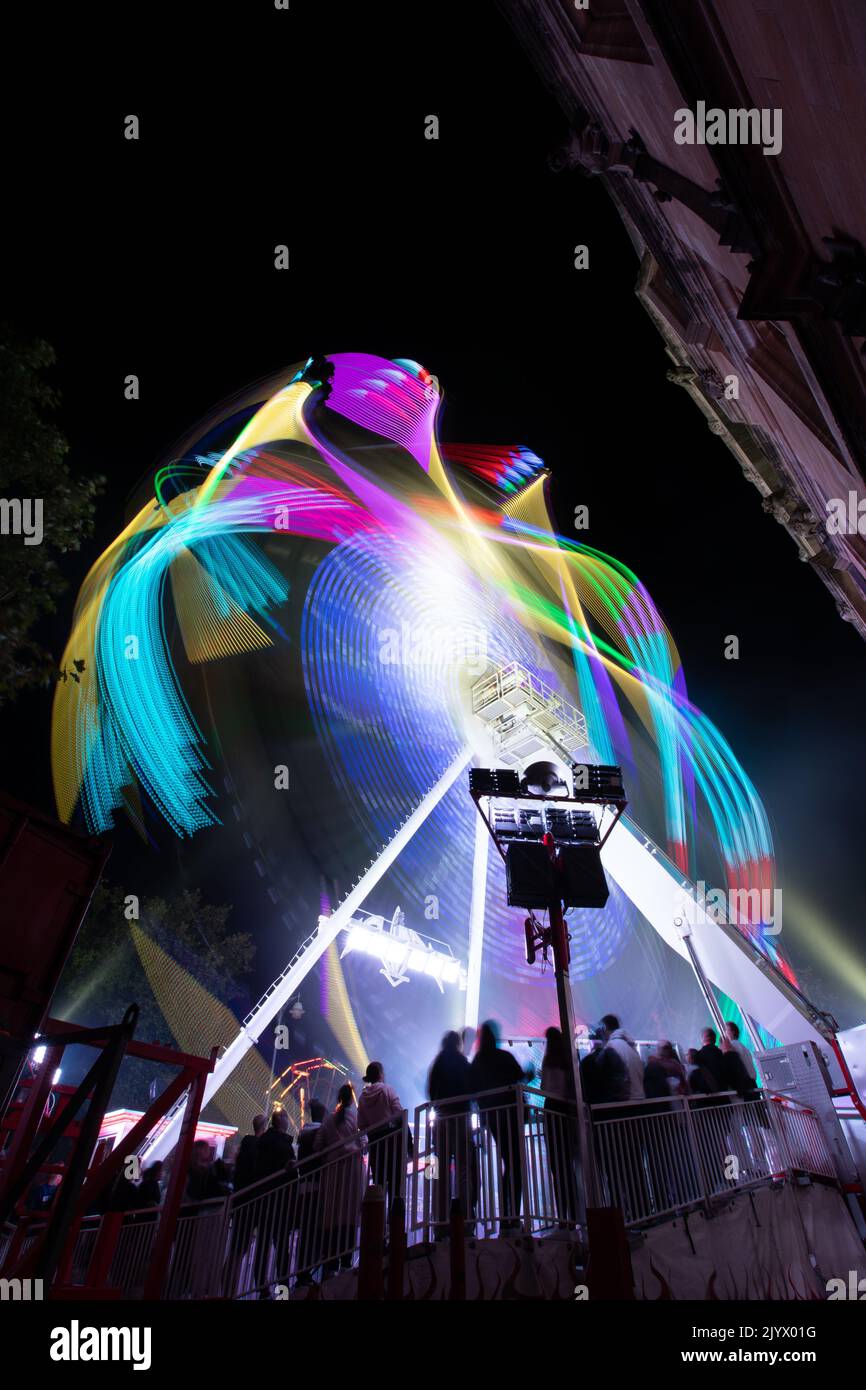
32,465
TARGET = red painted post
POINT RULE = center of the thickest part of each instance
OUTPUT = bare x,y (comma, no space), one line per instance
176,1187
372,1246
396,1249
103,1249
457,1233
609,1272
31,1117
561,961
64,1264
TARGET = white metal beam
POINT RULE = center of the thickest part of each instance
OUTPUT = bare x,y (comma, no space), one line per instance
307,956
661,895
476,922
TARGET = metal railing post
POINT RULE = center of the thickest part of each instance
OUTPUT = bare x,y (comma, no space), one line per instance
774,1110
695,1148
104,1248
524,1185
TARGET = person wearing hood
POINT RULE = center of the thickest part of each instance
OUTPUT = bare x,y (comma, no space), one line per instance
380,1115
378,1103
493,1073
624,1045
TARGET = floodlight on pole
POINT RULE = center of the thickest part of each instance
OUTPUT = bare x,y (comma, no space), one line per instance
540,823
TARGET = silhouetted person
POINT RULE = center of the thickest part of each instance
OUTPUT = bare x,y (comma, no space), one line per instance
342,1180
42,1194
492,1071
745,1056
245,1163
603,1077
123,1195
671,1182
700,1078
309,1130
275,1159
664,1073
634,1198
380,1116
735,1074
245,1214
449,1083
625,1047
223,1173
710,1056
203,1186
449,1077
203,1183
149,1190
560,1114
274,1149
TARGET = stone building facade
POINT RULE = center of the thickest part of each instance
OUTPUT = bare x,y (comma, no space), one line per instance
752,264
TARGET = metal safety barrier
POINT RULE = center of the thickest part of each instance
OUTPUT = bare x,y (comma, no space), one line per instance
510,1163
508,1157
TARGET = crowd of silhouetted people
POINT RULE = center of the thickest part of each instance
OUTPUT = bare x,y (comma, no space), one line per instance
614,1072
473,1098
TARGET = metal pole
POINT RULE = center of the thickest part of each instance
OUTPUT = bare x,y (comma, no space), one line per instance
561,959
685,931
584,1175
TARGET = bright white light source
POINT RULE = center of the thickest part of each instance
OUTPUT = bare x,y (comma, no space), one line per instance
403,951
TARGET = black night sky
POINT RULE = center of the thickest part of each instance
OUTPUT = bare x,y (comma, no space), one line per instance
156,258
